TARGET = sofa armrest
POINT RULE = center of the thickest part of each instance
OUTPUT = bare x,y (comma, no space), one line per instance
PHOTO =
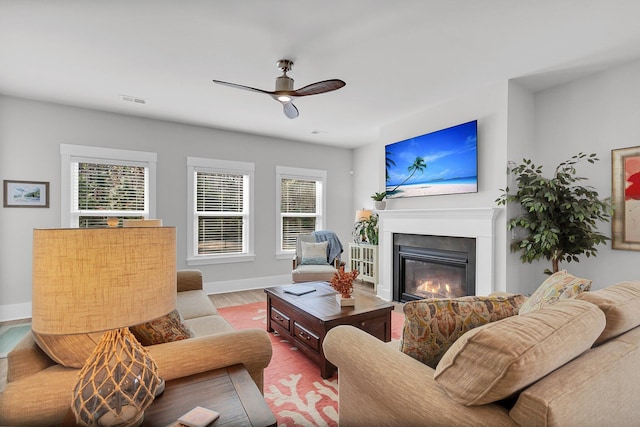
250,347
379,385
26,359
189,280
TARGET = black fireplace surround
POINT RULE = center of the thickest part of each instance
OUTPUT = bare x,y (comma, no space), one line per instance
433,267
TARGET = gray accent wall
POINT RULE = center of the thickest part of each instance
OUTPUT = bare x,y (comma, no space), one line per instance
30,136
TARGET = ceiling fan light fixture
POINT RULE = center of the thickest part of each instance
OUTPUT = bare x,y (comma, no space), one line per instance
285,93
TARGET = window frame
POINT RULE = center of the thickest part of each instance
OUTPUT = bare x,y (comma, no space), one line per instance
286,172
71,154
200,164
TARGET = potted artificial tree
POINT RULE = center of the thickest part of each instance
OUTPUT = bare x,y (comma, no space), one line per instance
558,216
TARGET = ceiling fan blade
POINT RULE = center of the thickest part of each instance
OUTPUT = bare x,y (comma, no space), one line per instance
319,87
290,110
237,86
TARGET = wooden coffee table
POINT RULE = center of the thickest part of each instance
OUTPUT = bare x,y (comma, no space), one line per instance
230,391
306,319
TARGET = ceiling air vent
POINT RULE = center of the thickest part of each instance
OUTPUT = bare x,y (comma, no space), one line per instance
133,99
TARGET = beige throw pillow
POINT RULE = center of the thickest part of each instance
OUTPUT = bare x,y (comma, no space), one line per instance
491,362
621,306
314,253
68,350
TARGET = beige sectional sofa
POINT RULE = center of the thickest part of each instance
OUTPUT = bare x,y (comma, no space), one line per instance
38,390
573,363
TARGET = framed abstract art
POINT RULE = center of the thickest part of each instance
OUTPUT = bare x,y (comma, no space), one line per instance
625,191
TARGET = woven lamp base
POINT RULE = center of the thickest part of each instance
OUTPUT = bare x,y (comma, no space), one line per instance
117,383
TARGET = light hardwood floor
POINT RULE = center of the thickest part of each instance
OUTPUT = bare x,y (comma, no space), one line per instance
219,300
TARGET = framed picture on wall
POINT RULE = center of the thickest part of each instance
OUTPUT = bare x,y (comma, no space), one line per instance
625,181
26,194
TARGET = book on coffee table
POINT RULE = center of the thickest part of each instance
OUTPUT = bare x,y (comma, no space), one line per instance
299,290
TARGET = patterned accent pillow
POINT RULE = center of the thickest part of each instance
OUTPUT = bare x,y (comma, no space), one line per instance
431,326
167,328
560,285
314,253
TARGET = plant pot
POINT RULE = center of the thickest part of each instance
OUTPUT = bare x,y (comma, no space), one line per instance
345,302
380,204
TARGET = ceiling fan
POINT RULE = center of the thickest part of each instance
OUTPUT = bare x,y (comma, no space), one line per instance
284,92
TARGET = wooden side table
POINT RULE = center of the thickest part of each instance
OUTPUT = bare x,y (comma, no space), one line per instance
230,391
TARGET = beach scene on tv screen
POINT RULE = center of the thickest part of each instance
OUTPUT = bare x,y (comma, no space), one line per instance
441,162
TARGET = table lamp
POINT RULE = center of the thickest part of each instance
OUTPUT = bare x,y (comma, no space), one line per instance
363,215
91,280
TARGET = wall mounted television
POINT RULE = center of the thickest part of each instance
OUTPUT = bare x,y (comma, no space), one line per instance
440,162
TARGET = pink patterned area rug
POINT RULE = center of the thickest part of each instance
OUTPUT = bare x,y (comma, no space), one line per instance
293,388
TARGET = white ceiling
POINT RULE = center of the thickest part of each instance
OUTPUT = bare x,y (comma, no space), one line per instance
397,57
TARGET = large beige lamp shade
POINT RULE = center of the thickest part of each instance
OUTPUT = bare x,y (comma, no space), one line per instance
92,280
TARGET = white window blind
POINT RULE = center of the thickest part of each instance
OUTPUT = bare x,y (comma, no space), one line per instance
105,183
299,209
300,204
221,218
103,189
220,209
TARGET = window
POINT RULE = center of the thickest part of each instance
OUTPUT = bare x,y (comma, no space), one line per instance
220,211
300,201
98,183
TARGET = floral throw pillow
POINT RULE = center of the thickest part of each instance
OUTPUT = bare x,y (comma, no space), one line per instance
167,328
314,253
431,326
558,286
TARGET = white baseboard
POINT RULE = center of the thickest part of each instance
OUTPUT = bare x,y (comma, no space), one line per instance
245,284
15,312
23,311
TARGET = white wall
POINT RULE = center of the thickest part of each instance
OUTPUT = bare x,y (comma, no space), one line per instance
30,136
594,114
522,278
488,105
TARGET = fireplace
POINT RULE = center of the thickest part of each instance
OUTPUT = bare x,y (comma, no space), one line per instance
476,223
427,266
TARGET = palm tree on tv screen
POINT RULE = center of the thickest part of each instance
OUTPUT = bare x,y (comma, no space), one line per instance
388,163
418,165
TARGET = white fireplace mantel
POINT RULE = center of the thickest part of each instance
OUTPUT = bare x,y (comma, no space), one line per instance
477,223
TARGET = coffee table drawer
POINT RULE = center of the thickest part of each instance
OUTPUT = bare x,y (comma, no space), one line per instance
307,337
376,327
280,318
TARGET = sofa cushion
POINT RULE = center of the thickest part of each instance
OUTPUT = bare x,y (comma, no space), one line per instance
558,286
314,253
208,325
431,326
167,328
621,306
491,362
68,350
194,303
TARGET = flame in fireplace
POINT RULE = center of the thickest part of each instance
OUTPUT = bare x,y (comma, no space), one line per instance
430,289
